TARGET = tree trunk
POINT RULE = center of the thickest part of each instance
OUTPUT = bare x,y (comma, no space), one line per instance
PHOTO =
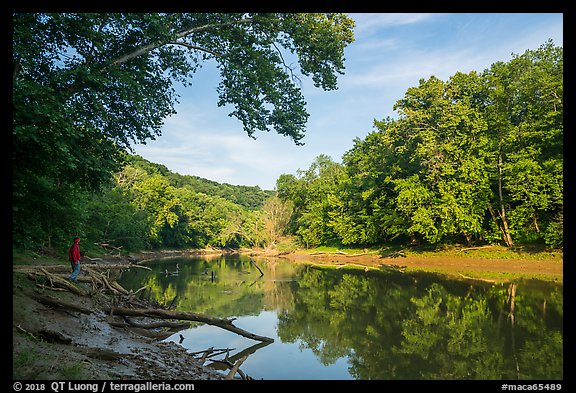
53,302
167,314
505,231
502,213
500,220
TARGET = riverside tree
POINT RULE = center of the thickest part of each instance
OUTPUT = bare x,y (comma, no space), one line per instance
86,86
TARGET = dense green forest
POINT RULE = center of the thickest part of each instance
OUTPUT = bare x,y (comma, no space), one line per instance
149,206
477,158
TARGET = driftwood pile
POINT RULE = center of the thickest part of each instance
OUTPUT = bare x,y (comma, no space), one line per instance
127,306
55,277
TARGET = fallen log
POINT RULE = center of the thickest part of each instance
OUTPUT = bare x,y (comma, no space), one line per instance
477,278
156,325
222,365
206,353
50,301
161,335
211,351
475,248
257,267
59,281
394,254
331,252
51,288
56,281
106,266
187,316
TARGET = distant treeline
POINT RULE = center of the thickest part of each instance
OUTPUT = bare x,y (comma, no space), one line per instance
475,159
250,197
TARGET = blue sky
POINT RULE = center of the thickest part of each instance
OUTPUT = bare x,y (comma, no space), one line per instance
391,53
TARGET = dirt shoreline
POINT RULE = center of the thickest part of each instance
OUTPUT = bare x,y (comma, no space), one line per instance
55,343
58,344
488,269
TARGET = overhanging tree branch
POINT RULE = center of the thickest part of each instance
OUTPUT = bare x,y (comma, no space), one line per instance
150,47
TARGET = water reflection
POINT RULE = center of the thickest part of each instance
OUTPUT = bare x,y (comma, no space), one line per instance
378,325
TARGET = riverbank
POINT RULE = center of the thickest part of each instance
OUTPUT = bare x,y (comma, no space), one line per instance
74,339
491,262
487,263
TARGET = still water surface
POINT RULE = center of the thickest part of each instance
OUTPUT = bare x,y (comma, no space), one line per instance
330,323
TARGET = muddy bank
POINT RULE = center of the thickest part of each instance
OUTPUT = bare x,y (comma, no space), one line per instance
459,266
78,342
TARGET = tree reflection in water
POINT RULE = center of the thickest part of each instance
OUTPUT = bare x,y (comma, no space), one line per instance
387,325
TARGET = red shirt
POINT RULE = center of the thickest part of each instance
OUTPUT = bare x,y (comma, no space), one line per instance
74,253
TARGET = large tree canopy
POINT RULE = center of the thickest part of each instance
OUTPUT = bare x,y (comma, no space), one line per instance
87,86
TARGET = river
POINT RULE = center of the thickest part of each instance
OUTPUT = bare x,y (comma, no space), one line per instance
343,323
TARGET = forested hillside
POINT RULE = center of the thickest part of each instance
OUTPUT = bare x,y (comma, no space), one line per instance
149,206
250,197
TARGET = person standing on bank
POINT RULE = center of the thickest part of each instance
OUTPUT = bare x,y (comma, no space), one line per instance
74,257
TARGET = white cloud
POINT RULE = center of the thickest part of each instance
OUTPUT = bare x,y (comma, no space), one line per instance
368,23
374,46
206,144
406,71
